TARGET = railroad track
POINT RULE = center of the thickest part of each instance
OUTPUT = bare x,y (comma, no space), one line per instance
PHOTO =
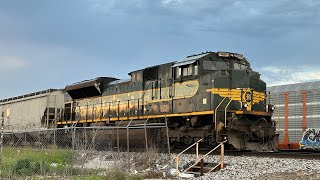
298,154
292,154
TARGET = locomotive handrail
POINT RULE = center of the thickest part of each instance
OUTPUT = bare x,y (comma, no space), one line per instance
225,111
197,154
215,113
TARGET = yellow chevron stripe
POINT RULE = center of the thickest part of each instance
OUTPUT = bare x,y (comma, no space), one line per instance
239,94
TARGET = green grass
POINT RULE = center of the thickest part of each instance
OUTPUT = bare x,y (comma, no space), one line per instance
28,162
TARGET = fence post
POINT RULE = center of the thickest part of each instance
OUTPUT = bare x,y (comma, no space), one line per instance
73,138
146,135
54,137
222,156
118,140
25,137
85,139
128,146
39,141
177,166
168,139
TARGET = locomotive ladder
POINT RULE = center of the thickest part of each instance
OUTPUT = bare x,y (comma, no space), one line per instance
199,167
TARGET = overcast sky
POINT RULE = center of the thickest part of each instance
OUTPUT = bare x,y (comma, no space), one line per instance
49,44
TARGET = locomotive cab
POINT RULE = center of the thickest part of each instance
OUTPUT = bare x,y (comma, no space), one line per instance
235,95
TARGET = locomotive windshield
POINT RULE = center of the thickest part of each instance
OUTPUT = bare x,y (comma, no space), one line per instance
223,65
240,66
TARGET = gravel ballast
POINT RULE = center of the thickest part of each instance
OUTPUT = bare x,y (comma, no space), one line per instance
248,167
237,167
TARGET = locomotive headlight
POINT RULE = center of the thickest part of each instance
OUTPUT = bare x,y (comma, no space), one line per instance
223,54
245,105
271,107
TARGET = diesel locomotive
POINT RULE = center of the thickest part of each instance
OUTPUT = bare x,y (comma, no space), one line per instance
213,96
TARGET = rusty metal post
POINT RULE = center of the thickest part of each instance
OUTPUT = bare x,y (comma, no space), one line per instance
177,166
304,110
201,167
197,151
222,155
286,122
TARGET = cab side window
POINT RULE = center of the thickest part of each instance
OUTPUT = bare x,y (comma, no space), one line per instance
186,70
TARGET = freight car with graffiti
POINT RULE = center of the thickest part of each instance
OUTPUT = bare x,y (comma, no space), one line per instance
310,139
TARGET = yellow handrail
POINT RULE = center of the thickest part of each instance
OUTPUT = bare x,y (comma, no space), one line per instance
215,113
225,111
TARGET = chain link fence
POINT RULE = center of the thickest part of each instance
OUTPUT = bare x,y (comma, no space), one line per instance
79,151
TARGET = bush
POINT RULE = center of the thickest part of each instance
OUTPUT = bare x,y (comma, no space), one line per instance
25,167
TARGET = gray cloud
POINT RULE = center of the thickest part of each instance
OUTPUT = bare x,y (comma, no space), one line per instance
275,75
62,42
247,17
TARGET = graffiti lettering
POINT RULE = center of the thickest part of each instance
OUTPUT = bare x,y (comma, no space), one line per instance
310,139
